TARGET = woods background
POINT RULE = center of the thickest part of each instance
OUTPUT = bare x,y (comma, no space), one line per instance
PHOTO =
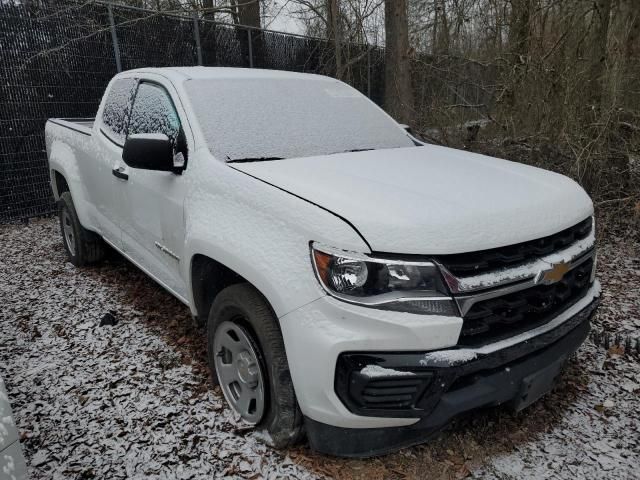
559,80
554,83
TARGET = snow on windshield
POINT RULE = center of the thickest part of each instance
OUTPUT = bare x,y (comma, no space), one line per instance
288,117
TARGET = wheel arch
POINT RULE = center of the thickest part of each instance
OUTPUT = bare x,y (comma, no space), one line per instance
208,277
59,183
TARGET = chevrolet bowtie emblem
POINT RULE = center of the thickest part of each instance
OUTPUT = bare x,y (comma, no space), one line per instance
554,274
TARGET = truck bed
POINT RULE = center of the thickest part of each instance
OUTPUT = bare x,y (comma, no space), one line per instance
81,125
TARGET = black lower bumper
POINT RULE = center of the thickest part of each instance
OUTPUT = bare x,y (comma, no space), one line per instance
516,376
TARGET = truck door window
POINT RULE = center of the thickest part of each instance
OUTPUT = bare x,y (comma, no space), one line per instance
154,112
115,115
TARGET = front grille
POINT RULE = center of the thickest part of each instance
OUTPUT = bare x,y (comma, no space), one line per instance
474,263
497,318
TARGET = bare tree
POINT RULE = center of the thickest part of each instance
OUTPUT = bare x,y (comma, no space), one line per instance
208,9
519,29
398,98
334,33
440,28
600,19
247,12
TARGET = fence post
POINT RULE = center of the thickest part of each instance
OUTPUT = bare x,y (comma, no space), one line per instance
114,39
196,35
250,48
369,71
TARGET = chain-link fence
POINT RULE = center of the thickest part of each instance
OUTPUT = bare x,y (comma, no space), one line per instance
56,59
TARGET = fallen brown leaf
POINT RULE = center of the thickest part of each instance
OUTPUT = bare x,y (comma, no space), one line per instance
616,350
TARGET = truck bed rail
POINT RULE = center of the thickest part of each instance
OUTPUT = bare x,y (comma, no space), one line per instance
80,125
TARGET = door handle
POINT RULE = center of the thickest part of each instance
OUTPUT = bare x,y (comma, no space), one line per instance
119,172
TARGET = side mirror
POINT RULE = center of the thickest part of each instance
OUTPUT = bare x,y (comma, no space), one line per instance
417,141
150,151
406,128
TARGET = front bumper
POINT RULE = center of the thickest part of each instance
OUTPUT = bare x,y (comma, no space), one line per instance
516,375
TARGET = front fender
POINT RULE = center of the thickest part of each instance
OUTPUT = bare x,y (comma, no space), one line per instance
261,233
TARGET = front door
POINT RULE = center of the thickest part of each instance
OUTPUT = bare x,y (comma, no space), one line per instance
153,223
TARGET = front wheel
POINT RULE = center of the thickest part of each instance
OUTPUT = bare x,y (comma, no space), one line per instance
247,359
240,370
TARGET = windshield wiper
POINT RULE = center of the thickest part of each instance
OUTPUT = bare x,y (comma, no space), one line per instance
352,150
254,159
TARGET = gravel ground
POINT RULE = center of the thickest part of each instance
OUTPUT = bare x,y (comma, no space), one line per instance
134,400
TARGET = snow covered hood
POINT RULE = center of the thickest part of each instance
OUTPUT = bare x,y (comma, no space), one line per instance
430,199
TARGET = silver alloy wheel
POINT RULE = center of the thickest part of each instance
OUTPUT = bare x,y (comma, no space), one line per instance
67,231
239,371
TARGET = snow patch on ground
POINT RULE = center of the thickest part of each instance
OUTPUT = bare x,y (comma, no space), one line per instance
126,401
594,437
134,400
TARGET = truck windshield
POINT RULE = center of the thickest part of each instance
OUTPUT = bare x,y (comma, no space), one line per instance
277,118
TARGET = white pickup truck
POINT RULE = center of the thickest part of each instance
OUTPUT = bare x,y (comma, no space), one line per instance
358,285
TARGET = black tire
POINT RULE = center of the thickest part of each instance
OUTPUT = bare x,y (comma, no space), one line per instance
244,305
83,246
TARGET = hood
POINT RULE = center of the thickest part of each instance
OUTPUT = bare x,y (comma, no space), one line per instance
432,200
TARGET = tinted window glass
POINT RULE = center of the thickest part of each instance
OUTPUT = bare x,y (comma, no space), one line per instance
115,115
153,112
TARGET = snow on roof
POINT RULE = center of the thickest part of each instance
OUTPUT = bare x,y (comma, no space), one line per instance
177,74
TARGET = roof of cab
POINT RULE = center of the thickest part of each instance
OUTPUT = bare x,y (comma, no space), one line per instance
178,74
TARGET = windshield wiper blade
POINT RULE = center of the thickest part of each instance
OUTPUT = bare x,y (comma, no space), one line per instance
254,159
352,150
359,150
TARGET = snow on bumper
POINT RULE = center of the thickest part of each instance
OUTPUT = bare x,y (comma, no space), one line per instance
316,334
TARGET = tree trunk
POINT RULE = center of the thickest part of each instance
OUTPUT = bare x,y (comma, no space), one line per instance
434,40
519,28
631,10
498,19
442,39
247,13
207,6
398,99
628,28
334,34
598,50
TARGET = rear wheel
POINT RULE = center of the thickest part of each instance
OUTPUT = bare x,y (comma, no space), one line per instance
82,246
247,358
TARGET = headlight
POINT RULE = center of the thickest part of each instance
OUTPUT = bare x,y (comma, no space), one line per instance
389,284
